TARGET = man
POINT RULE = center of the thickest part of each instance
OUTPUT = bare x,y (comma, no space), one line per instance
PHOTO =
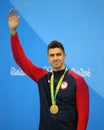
64,96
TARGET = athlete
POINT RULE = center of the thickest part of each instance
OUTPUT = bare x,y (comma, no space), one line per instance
64,95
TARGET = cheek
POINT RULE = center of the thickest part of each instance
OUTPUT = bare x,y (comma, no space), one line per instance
64,58
50,60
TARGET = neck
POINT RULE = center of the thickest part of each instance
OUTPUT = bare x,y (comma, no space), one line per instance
59,69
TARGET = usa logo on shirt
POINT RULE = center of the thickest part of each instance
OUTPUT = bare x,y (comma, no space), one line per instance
64,85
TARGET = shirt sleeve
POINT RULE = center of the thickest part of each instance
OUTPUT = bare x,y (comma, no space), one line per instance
23,62
82,102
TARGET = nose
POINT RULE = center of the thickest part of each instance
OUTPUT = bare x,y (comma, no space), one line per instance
55,57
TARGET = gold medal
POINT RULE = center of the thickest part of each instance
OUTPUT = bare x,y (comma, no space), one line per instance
54,109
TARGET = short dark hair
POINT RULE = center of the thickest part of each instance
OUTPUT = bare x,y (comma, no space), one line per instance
55,44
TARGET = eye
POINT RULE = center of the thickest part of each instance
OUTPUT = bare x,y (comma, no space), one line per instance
58,54
51,55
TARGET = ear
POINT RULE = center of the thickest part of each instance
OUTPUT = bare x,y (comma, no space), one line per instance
64,56
48,58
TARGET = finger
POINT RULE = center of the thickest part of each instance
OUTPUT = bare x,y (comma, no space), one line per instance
7,15
18,18
13,12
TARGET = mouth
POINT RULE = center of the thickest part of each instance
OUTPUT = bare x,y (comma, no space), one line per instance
56,63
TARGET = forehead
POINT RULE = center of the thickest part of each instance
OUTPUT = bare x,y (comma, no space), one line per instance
55,50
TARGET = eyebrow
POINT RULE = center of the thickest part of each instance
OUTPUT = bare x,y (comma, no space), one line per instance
58,54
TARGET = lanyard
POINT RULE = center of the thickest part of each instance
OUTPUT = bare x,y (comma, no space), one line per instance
54,93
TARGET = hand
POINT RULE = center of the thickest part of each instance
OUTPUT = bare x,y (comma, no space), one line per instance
13,21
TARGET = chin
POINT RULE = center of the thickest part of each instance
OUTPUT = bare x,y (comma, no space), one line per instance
56,68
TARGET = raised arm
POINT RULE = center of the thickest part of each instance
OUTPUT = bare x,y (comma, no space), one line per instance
24,63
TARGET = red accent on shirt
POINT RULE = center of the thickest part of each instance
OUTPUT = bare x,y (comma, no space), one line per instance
26,65
82,101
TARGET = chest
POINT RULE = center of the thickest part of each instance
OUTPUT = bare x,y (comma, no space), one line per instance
66,91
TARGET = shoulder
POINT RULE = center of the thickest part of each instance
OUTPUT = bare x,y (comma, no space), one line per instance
74,75
80,81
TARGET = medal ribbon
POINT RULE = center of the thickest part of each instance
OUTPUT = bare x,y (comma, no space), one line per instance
54,93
